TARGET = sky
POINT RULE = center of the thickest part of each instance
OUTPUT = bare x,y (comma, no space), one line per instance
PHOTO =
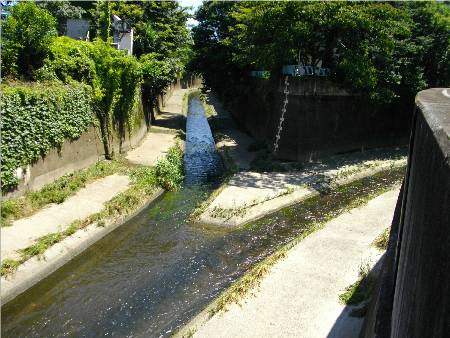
189,3
194,4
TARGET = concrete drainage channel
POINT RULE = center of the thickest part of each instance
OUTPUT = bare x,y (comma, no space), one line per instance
153,274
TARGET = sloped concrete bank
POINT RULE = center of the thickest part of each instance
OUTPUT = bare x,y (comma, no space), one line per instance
412,297
39,267
248,196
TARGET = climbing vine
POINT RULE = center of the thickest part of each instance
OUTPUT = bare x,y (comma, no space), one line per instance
37,118
113,76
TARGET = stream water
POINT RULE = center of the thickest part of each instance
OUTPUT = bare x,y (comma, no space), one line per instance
157,271
201,159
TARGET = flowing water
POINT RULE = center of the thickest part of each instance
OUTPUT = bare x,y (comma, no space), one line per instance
154,273
201,158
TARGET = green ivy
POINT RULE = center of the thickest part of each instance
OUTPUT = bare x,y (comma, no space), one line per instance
37,118
114,77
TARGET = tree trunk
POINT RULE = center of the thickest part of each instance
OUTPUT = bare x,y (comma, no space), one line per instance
105,137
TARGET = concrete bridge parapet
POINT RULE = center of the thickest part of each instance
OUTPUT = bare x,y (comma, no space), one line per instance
412,296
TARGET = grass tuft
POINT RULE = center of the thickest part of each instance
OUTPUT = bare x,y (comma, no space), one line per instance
249,281
42,244
381,242
9,266
361,290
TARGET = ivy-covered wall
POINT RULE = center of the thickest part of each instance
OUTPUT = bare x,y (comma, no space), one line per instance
37,118
114,77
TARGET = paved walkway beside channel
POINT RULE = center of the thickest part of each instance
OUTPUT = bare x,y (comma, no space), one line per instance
154,146
87,201
299,297
231,142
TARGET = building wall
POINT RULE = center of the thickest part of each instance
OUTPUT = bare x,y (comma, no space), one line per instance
77,28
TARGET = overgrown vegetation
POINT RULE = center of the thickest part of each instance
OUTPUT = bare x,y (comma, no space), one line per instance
26,37
112,79
360,290
169,171
210,111
38,118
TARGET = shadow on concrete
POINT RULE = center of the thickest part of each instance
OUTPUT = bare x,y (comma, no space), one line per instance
270,180
350,321
170,120
317,175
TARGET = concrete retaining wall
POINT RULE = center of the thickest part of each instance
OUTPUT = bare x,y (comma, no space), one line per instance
321,118
73,155
412,298
88,148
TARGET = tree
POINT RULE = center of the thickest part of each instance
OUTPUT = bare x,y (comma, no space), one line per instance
157,74
213,57
382,51
61,11
103,22
162,42
23,50
160,27
431,33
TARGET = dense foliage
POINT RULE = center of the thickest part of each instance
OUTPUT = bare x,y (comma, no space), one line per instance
213,56
160,27
26,36
101,81
38,118
380,50
161,41
103,20
169,170
113,76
